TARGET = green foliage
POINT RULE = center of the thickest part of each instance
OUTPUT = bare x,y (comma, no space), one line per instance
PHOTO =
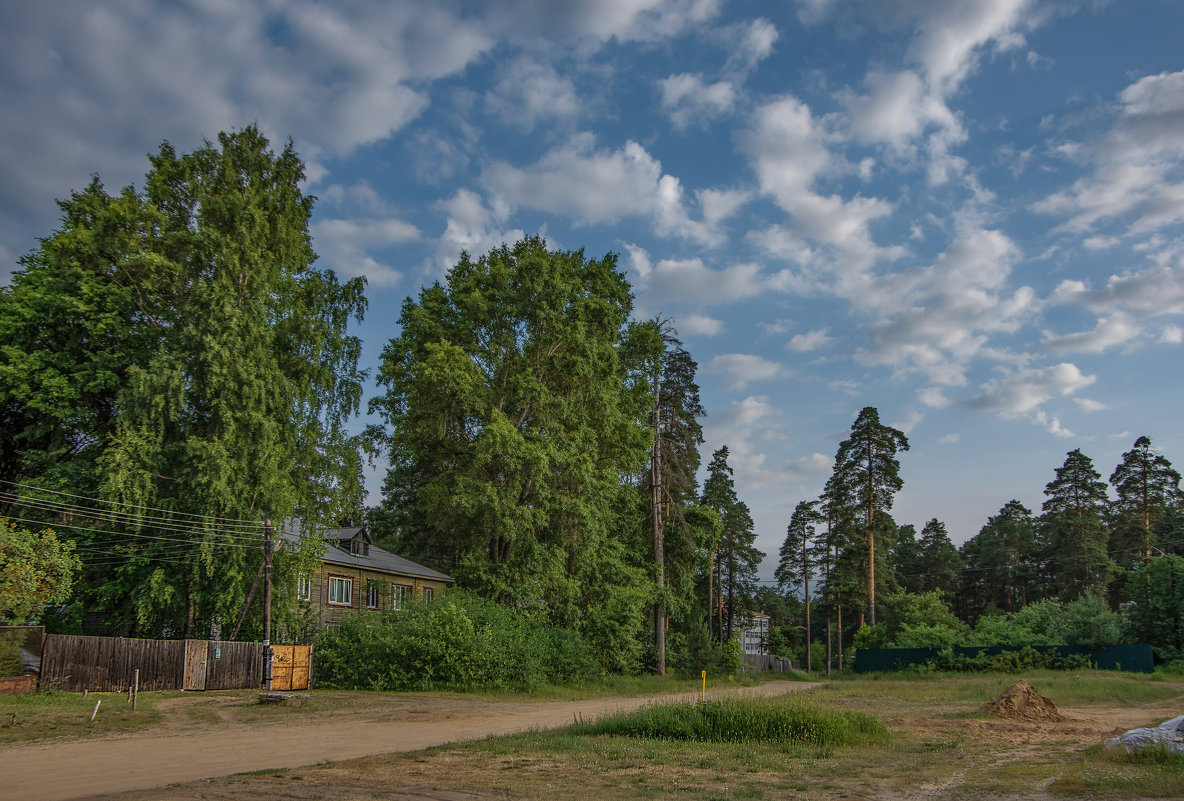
515,401
865,480
11,661
1000,563
462,642
791,721
1145,486
1024,659
36,568
1073,527
195,361
1156,615
736,557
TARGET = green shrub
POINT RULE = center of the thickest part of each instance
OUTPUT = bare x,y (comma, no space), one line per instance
460,642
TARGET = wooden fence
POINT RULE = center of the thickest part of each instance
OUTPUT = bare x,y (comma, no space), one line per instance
108,664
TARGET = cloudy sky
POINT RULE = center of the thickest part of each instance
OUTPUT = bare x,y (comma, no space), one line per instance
967,214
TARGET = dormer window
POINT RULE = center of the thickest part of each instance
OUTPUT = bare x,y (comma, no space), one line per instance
359,547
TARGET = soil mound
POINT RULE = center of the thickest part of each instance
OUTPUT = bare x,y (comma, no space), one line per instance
1021,702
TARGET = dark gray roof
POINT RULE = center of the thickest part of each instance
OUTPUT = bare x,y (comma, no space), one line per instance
378,559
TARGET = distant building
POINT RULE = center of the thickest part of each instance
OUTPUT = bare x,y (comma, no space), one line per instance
754,633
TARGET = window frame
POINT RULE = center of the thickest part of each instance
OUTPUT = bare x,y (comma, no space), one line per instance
371,594
345,581
428,594
401,594
303,586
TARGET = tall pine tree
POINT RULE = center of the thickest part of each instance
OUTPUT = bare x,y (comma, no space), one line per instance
1073,527
1145,486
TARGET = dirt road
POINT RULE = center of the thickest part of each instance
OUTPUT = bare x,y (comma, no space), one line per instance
180,753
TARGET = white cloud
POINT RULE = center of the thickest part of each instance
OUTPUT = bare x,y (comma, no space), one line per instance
750,43
739,369
1025,390
599,186
1150,292
345,246
936,319
528,92
814,340
687,99
1172,335
909,422
933,396
1136,165
472,227
700,324
1089,406
949,439
718,205
1109,331
815,465
1052,424
789,151
844,385
691,281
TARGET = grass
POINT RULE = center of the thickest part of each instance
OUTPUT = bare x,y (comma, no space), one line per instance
50,714
1148,773
789,721
897,693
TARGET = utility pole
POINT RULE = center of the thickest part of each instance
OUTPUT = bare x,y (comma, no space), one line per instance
267,603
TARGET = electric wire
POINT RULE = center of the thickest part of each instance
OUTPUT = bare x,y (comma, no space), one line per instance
244,521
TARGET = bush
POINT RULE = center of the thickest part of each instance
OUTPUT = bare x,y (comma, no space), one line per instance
458,643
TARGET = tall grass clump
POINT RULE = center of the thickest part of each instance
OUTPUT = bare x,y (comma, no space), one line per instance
787,721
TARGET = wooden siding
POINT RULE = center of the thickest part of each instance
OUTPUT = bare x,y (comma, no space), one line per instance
330,615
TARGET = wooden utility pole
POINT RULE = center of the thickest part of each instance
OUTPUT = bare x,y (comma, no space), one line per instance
267,603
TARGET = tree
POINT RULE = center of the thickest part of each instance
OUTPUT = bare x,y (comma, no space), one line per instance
1156,615
516,402
36,568
215,375
736,558
797,558
674,460
1146,486
1073,527
1001,562
940,563
867,477
906,559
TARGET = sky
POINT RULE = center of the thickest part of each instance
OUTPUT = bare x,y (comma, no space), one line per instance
967,214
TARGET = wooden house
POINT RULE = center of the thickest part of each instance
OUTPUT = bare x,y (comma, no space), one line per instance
355,575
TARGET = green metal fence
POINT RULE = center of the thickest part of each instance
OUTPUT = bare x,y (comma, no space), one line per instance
1133,658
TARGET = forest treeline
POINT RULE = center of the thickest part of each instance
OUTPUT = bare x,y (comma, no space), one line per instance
176,368
1099,564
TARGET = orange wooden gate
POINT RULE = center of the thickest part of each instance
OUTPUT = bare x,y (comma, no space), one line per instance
290,665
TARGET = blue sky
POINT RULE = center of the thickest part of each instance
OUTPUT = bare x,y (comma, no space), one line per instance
967,214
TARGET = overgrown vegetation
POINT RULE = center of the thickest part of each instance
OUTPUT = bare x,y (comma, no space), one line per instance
789,721
459,643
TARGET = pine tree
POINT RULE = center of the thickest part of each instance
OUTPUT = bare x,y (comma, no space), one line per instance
1073,527
797,558
737,558
940,562
866,478
1146,486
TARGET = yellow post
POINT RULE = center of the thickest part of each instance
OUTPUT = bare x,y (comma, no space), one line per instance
703,696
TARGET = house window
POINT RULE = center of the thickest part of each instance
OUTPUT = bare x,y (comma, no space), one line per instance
341,591
400,595
358,548
427,593
372,594
304,587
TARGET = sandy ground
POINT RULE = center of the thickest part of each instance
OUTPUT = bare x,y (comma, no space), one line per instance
176,752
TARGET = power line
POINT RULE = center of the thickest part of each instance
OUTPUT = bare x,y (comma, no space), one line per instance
247,523
133,536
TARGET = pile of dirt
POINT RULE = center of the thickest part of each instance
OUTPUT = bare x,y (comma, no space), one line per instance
1021,702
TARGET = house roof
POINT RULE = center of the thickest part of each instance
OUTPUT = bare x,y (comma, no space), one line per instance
377,559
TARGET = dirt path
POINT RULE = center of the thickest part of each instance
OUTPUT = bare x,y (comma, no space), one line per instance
170,754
